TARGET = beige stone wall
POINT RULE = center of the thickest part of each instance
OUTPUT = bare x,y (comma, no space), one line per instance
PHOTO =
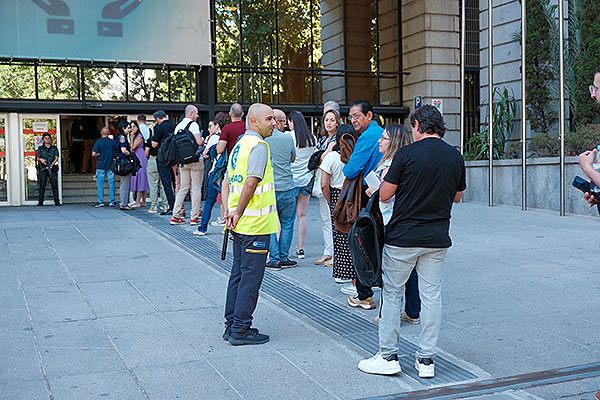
431,54
389,51
332,43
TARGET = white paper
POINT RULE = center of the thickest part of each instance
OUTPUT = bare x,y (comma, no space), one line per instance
372,180
40,126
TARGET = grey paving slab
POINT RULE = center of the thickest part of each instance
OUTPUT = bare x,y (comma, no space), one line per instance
56,304
18,358
115,298
148,340
43,273
188,380
103,385
284,377
171,293
23,390
581,389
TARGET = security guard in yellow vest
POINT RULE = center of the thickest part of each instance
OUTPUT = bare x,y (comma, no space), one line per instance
252,219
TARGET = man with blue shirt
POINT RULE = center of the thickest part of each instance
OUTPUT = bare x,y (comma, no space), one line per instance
283,154
364,158
105,149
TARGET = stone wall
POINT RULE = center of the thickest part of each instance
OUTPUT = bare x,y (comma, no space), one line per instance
543,184
332,44
431,54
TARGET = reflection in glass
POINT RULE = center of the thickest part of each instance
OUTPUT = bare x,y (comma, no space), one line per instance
183,86
17,81
58,82
228,86
29,153
228,32
296,87
104,83
259,87
148,84
3,172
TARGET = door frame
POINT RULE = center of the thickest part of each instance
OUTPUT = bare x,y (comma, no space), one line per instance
7,155
21,157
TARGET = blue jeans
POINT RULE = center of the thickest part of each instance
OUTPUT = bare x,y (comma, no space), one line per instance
100,175
279,250
247,271
211,199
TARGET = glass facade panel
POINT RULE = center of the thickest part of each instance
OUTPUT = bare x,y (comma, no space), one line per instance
58,82
228,86
146,84
296,87
3,172
183,86
105,84
228,32
17,81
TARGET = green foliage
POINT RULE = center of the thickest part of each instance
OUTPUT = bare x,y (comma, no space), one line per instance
586,138
544,145
17,81
513,150
587,112
504,110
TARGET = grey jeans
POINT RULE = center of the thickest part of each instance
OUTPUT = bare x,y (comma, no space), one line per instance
124,189
398,263
156,187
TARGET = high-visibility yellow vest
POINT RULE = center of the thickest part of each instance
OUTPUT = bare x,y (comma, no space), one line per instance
260,215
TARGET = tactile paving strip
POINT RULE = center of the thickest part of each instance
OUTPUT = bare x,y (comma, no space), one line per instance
333,317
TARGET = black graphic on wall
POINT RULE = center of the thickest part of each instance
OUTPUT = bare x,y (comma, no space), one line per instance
115,10
57,8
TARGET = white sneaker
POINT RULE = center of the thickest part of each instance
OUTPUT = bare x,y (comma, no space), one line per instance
152,210
379,365
218,222
426,367
342,280
348,289
199,233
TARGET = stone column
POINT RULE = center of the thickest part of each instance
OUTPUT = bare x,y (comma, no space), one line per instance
431,54
332,44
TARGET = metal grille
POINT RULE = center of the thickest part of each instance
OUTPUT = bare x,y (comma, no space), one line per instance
353,328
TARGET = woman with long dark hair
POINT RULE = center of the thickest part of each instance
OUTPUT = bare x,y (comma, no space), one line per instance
124,151
305,142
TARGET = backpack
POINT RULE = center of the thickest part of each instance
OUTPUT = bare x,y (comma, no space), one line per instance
167,155
365,240
186,146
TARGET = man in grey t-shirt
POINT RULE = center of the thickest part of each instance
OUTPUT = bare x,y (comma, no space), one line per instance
283,154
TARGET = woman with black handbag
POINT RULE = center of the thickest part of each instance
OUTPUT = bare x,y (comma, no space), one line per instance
123,152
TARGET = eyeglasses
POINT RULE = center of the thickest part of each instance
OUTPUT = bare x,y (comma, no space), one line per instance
355,116
593,89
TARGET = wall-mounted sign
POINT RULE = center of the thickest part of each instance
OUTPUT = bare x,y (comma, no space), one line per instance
39,141
40,126
439,104
418,102
150,31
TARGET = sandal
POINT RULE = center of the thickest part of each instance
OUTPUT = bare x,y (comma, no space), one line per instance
324,258
125,208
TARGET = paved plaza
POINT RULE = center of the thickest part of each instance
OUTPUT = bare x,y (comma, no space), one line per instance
104,304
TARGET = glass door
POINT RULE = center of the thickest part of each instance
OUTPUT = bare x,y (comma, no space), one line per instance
32,128
3,161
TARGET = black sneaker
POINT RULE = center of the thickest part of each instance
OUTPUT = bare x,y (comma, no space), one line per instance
58,204
112,204
40,203
288,264
98,205
168,211
227,332
249,337
273,266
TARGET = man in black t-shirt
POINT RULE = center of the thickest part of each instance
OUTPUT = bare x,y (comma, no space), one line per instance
163,128
426,177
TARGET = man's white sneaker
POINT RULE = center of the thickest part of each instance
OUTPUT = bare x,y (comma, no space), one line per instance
379,365
426,367
342,280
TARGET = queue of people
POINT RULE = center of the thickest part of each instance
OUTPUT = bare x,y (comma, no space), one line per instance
263,176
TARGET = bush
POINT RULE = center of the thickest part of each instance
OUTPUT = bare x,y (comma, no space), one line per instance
587,137
513,150
544,145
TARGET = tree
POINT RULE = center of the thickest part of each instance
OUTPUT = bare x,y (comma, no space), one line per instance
589,59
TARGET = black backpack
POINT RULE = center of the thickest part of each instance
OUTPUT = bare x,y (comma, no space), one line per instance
186,146
365,241
167,154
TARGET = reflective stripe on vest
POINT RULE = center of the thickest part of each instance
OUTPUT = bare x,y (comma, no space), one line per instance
260,215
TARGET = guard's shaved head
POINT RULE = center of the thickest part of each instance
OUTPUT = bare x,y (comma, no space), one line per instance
279,114
190,111
261,119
